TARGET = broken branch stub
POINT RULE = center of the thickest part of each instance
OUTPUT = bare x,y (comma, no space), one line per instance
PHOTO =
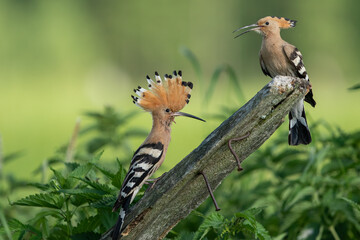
183,189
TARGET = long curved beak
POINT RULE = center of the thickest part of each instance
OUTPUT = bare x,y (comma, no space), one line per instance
253,26
187,115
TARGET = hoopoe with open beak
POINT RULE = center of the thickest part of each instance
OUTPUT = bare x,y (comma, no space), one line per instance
164,100
278,57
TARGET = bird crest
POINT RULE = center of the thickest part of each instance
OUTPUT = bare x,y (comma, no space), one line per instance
172,93
283,22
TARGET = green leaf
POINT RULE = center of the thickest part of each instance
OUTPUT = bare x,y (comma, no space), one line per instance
105,202
253,211
4,227
355,87
103,170
309,190
81,171
48,213
71,166
87,225
245,222
44,224
353,204
97,143
12,156
290,219
352,216
232,79
49,200
261,232
86,236
89,194
59,232
98,186
107,218
17,226
280,236
184,235
213,221
59,177
186,52
118,178
78,200
43,187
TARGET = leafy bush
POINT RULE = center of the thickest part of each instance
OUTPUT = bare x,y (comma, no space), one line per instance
309,192
77,200
298,193
304,192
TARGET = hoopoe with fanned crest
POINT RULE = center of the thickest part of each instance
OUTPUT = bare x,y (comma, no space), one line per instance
278,57
164,100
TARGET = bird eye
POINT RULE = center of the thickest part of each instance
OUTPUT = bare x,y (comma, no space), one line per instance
267,23
167,110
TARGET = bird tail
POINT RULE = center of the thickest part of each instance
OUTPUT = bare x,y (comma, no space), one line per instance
310,99
120,221
299,132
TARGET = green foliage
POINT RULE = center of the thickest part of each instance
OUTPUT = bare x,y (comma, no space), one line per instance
216,226
304,192
68,208
76,201
109,129
355,87
234,85
232,79
186,52
308,192
42,200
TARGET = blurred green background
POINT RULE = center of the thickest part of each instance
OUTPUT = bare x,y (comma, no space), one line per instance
62,58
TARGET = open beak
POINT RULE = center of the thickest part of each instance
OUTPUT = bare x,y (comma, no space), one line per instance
254,27
187,115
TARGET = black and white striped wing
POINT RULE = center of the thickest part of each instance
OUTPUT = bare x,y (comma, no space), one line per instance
143,165
296,59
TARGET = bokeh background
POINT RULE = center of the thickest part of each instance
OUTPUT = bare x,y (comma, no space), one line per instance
60,59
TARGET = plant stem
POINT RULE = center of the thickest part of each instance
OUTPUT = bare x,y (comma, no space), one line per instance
5,225
68,216
71,146
334,233
318,237
44,167
1,157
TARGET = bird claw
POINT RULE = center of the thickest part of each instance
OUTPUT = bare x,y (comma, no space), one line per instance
151,182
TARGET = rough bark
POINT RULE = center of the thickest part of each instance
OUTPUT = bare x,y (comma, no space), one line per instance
183,189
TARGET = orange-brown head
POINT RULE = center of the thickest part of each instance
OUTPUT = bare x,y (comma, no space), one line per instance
164,99
269,25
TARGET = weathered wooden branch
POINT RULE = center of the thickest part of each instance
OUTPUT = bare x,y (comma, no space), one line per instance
182,189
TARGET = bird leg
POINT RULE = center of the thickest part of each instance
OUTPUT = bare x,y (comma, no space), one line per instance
233,152
151,182
210,191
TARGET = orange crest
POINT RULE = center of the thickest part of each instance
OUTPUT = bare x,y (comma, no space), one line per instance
172,93
282,22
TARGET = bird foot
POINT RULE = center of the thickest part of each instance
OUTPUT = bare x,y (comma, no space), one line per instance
151,182
210,191
234,153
